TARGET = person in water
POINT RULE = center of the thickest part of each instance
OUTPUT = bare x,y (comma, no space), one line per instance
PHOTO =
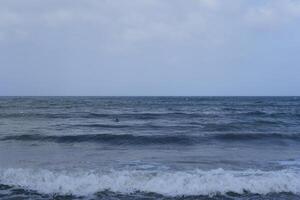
117,119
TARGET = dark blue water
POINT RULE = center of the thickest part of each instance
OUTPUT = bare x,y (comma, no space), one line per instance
150,148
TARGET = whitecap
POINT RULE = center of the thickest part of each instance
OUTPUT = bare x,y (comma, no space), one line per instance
196,182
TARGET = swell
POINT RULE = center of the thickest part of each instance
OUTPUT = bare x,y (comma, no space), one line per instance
128,139
258,136
145,126
150,115
88,115
125,139
192,126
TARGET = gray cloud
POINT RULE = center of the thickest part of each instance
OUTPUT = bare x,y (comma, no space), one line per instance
140,47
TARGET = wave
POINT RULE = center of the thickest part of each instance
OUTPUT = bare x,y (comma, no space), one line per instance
142,115
239,111
128,139
136,126
272,114
111,126
257,136
177,183
125,139
291,162
193,125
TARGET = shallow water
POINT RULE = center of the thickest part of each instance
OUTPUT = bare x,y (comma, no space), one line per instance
150,147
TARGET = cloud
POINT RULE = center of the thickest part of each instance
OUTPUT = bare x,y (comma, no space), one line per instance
7,20
102,44
274,13
131,21
122,26
212,4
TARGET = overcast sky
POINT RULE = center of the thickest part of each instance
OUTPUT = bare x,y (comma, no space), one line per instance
150,47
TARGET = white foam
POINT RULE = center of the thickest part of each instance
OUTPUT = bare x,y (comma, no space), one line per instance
289,162
196,182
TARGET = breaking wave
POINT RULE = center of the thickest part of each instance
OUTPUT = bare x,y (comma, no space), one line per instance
177,183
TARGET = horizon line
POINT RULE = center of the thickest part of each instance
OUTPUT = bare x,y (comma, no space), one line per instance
149,95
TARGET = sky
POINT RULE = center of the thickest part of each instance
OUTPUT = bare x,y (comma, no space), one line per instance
150,47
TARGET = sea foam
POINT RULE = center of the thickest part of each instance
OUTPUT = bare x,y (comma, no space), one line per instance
175,183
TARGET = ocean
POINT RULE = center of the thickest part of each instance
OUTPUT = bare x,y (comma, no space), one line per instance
150,148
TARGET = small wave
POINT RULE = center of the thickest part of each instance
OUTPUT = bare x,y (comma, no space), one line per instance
243,125
125,139
291,162
35,115
111,126
146,126
256,136
200,126
254,113
128,139
178,183
142,116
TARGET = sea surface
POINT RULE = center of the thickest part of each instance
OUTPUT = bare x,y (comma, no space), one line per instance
229,148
